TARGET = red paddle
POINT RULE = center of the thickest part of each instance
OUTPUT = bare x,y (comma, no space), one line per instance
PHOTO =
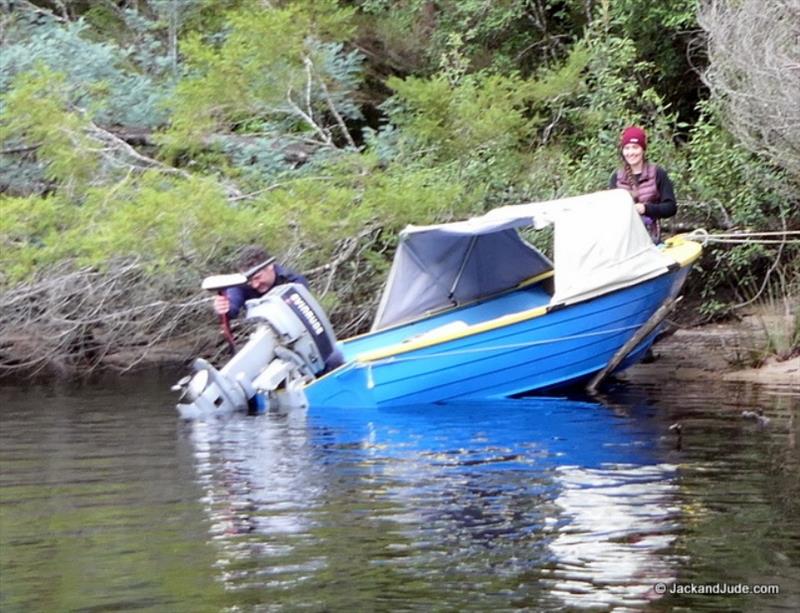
225,322
220,283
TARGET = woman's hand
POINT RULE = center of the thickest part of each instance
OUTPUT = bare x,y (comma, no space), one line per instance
221,304
640,208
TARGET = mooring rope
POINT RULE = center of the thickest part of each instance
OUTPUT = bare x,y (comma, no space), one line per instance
743,238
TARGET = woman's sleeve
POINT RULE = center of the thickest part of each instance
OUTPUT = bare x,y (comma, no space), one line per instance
612,182
667,206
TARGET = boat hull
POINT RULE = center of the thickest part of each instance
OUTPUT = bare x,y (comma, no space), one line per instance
562,347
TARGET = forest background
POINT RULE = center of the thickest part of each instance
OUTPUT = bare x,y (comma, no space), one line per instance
143,142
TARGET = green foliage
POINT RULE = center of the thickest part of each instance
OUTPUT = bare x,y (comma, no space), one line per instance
587,101
745,191
161,221
171,217
269,66
99,76
30,235
480,125
514,153
321,128
481,113
36,114
564,79
97,80
733,189
650,25
664,34
514,35
317,213
614,95
420,195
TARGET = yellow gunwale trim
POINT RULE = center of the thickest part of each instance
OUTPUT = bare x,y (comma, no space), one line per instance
532,281
500,322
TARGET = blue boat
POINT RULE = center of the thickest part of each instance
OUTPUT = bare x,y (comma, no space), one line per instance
472,310
539,330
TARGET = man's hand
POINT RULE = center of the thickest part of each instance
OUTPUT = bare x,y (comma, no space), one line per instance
221,304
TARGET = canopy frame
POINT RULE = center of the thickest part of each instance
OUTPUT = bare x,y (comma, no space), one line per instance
600,244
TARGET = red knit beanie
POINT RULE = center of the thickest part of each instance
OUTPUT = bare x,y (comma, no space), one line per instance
633,134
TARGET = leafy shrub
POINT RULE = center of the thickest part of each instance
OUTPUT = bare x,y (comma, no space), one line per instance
99,77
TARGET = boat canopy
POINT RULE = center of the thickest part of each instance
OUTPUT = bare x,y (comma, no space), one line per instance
600,244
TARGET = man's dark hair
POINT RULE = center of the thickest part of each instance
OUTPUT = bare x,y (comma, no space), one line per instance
250,256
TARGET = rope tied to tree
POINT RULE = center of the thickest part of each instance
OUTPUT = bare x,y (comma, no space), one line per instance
704,237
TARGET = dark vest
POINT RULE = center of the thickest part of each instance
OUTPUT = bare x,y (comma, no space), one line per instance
645,192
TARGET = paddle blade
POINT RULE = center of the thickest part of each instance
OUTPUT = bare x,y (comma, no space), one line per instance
218,282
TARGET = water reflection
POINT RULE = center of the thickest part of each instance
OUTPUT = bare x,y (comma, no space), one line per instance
97,506
260,490
619,521
107,502
542,500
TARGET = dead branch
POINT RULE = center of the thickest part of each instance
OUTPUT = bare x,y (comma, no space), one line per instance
30,6
21,149
76,321
116,150
117,145
326,139
754,71
351,277
331,106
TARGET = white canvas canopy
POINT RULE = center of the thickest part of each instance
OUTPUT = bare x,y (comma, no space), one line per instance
600,245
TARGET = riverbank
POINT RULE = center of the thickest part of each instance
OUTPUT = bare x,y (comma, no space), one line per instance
720,351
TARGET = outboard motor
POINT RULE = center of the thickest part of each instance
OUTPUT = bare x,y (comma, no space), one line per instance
290,346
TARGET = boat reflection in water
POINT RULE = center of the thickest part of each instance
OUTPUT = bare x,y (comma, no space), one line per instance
616,524
537,502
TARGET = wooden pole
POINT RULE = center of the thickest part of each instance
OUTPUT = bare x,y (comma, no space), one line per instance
648,326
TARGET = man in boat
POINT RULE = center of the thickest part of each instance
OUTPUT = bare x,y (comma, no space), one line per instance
231,301
268,275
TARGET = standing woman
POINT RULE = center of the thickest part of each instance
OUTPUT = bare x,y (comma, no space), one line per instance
653,195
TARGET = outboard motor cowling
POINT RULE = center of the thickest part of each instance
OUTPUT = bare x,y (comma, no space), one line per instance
299,321
292,343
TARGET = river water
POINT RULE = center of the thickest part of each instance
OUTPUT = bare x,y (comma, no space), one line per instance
110,502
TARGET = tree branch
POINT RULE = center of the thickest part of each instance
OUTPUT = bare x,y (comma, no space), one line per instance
331,105
326,139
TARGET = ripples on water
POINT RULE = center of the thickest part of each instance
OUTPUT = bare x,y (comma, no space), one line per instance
109,502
